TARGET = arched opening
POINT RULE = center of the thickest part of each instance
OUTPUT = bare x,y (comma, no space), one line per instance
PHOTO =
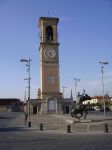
51,105
49,33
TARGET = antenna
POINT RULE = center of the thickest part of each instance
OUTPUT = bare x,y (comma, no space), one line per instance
48,13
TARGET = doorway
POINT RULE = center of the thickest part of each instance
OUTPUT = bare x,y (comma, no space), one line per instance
34,110
67,110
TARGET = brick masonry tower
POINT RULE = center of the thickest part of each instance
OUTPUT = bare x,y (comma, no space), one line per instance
49,66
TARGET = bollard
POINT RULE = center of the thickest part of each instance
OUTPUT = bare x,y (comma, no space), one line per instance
68,128
29,123
106,128
41,126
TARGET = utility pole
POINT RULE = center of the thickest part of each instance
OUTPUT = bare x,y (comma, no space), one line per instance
27,61
76,81
102,63
63,87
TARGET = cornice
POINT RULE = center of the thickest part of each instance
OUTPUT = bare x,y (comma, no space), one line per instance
48,43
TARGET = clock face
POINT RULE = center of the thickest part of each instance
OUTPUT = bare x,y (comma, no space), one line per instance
50,53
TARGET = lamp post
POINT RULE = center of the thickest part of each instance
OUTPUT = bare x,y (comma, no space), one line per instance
25,99
102,63
76,81
27,61
25,95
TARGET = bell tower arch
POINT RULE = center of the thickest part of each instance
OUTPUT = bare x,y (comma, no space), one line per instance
49,33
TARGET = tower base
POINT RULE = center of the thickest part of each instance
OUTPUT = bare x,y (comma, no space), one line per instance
51,105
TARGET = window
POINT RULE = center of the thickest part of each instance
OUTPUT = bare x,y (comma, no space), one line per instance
49,33
51,79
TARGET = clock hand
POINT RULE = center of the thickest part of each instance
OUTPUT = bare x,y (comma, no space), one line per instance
50,53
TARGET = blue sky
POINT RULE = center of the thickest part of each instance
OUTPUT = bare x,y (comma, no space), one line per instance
85,37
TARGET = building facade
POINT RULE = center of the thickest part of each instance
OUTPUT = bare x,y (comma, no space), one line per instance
11,105
99,100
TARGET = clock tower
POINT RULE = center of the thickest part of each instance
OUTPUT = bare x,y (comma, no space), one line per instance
49,66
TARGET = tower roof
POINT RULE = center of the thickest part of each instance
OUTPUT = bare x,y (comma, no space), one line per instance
48,19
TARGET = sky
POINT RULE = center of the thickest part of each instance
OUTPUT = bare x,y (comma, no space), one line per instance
85,37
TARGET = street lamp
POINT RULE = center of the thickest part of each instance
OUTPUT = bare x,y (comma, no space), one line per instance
102,63
27,61
76,81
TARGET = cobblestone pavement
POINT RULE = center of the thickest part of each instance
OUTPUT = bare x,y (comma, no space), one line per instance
95,122
14,135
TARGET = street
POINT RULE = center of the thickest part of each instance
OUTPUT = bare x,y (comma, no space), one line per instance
14,135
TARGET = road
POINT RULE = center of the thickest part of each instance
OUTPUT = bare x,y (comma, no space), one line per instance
14,135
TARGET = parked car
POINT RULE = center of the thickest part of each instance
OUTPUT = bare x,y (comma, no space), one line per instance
97,108
90,109
106,109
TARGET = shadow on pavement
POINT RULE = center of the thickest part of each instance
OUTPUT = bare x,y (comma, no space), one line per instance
7,117
14,129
